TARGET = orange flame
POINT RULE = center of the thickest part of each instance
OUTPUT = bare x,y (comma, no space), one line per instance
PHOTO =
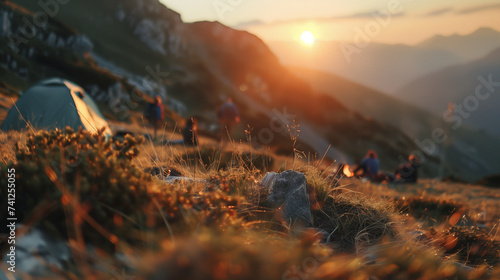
347,171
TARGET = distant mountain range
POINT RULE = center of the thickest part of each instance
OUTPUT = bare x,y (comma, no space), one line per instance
470,154
385,67
474,87
466,47
429,75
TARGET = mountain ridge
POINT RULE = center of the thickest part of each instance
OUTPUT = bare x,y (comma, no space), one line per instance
458,84
470,47
200,64
388,67
470,153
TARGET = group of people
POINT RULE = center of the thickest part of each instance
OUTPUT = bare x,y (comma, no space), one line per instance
228,116
404,173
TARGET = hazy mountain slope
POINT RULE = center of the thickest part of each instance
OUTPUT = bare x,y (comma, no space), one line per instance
56,49
195,66
387,67
113,22
379,66
147,44
232,55
372,103
470,155
468,47
458,84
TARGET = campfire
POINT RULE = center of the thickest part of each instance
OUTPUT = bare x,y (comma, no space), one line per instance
347,171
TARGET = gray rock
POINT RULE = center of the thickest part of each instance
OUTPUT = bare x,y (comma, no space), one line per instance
82,45
120,15
464,267
60,43
152,35
51,39
268,180
288,190
37,254
5,24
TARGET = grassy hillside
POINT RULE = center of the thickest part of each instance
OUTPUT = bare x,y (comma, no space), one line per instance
470,157
114,220
207,62
111,38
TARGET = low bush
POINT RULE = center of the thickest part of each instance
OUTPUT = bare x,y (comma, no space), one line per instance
65,177
353,223
77,183
430,210
471,245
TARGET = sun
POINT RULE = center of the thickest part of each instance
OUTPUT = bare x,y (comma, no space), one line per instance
308,38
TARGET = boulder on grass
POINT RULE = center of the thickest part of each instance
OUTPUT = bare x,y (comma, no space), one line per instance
288,190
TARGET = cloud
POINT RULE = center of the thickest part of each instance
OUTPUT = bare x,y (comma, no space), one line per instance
247,24
480,8
362,15
439,12
463,11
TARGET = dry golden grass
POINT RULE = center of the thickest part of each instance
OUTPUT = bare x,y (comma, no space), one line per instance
8,143
482,203
218,225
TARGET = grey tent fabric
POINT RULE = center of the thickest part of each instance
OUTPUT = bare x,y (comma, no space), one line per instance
77,90
55,103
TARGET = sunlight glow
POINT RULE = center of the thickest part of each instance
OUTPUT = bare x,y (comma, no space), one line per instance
308,38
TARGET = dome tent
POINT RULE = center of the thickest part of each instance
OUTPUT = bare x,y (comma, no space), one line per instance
55,103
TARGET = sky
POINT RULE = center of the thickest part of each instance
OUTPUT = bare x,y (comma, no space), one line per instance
385,21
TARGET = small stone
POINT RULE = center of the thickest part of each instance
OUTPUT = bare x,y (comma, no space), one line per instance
288,190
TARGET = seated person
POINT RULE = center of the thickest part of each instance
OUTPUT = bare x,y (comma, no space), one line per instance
407,173
189,134
370,166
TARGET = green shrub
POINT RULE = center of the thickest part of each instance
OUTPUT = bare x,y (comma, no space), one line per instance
63,173
191,207
77,181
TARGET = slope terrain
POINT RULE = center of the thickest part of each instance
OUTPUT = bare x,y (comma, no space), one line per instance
472,86
469,155
196,66
387,67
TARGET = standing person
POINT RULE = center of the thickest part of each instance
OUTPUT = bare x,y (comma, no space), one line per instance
190,132
154,114
369,165
228,117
